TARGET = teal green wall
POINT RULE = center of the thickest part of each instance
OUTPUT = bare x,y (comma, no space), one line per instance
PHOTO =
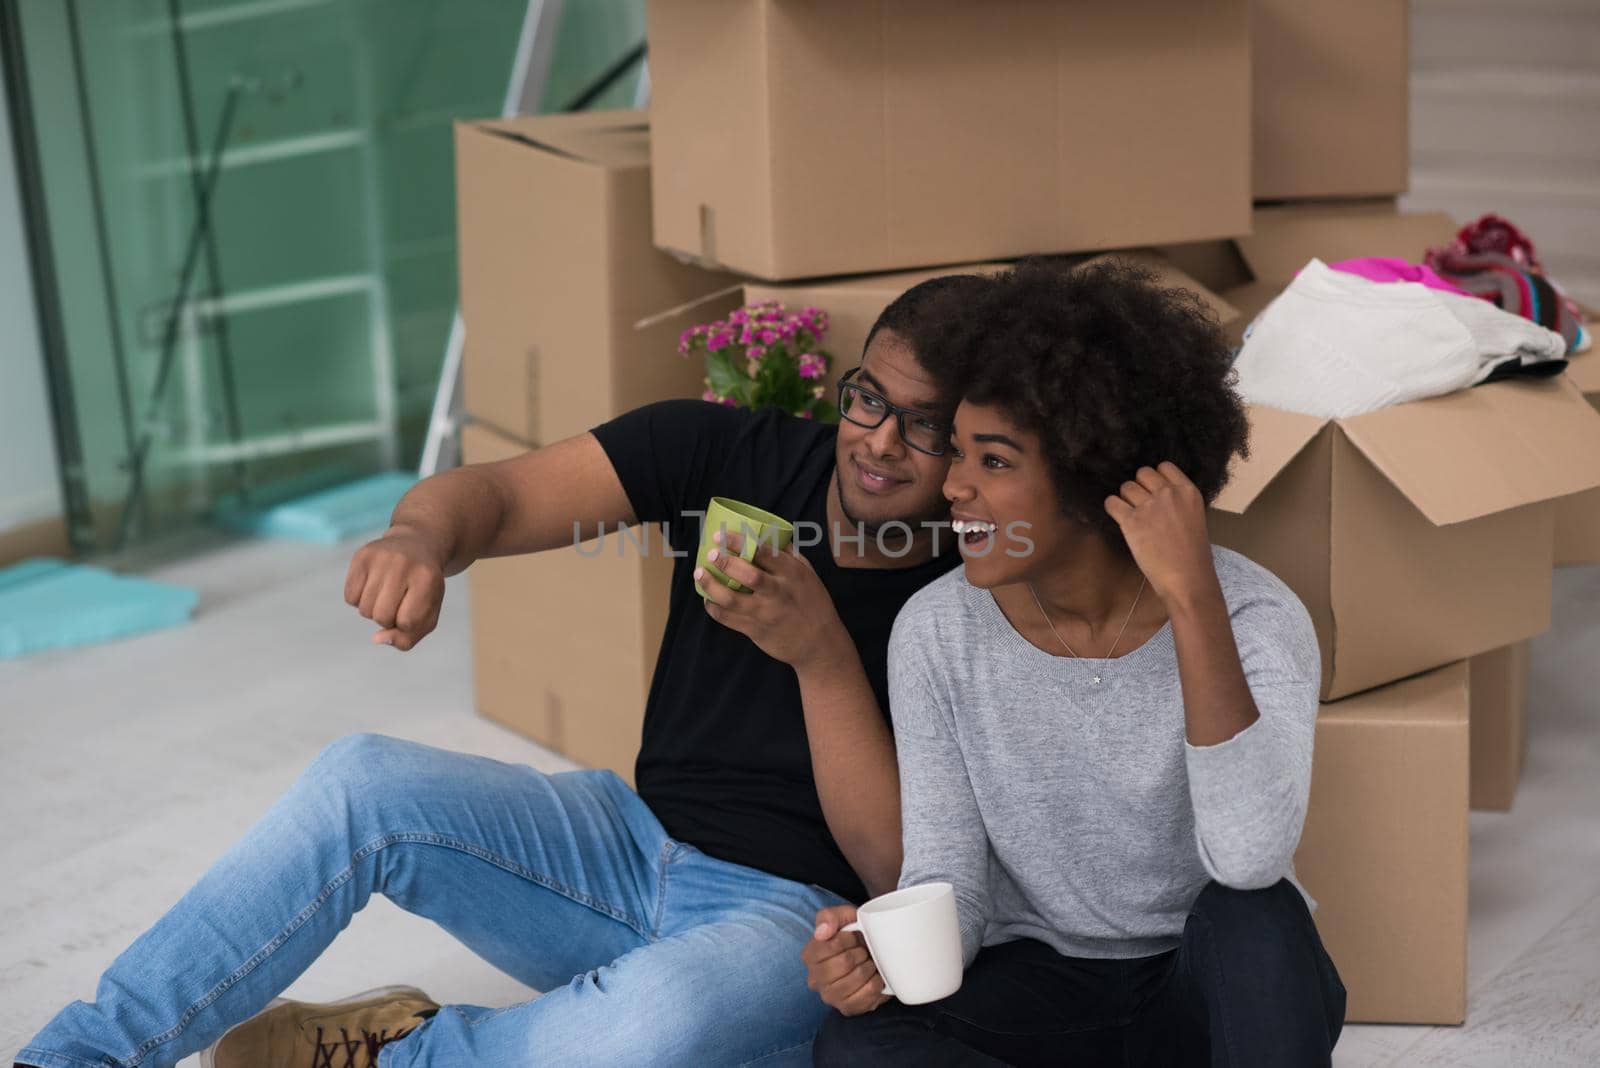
29,489
338,171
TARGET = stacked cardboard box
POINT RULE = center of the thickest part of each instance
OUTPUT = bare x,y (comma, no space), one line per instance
557,267
553,216
1331,87
846,136
1384,851
798,142
1415,536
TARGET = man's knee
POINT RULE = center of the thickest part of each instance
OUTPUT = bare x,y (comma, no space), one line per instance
354,752
364,757
358,766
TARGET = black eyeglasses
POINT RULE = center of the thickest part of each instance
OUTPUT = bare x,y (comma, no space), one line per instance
865,408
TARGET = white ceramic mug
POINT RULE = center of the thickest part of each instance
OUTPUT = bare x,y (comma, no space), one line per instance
915,941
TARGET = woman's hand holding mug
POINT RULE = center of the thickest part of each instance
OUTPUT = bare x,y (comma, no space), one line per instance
838,966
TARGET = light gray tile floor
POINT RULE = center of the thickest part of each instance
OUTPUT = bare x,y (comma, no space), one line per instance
129,767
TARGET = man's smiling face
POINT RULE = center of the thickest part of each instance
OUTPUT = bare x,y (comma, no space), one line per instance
881,478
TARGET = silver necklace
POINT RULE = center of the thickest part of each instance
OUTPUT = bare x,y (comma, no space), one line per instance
1112,651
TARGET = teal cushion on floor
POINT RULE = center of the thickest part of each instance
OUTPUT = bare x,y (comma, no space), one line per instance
329,516
51,604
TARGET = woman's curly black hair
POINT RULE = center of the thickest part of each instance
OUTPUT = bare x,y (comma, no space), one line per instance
1111,370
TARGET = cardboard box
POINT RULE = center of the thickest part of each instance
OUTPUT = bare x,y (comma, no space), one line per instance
1285,237
557,266
795,140
1331,98
1376,521
564,643
1499,725
1578,516
854,304
1414,534
1384,851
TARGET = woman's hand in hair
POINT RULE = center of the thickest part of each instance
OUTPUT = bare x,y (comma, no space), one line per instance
1163,519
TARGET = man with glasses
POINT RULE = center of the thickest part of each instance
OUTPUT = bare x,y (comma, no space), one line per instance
666,925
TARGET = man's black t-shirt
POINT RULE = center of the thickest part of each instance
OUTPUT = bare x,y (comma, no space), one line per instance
724,763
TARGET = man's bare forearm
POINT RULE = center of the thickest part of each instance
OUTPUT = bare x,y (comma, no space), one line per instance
459,514
853,762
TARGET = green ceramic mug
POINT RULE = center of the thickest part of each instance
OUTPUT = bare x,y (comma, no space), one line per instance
751,523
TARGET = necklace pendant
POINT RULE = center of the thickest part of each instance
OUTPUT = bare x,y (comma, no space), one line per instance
1097,680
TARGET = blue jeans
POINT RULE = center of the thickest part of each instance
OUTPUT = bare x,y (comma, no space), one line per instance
650,951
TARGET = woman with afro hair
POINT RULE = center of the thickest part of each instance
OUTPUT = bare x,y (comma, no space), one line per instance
1103,722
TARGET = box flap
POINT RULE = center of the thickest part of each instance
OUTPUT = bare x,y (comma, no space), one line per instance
607,138
1483,450
1283,239
1276,437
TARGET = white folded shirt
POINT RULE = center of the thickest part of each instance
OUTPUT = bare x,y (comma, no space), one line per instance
1335,344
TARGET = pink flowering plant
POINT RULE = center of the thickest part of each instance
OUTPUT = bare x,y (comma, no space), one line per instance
765,354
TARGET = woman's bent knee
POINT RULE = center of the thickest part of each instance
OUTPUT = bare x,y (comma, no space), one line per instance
868,1039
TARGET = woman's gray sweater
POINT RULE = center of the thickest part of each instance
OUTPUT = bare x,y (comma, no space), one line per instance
1077,813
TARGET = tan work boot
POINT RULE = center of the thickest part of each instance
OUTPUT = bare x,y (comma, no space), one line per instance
337,1034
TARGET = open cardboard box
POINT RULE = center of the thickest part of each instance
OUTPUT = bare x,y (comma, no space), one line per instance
1412,534
796,140
1384,850
1415,535
557,266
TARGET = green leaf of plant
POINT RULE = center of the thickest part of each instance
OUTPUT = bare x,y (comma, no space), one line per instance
725,380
